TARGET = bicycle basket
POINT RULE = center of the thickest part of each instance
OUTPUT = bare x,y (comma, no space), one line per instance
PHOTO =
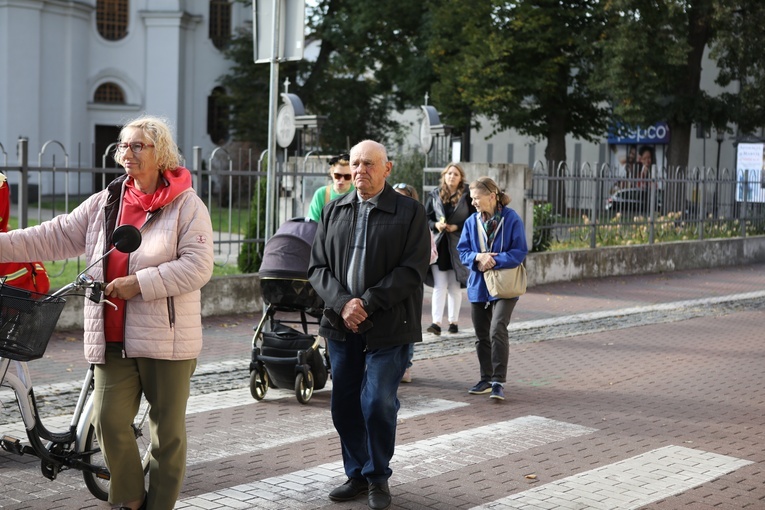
27,320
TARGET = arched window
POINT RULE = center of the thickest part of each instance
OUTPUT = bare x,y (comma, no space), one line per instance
217,116
112,18
109,93
220,22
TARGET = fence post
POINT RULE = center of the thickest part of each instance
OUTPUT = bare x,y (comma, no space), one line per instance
23,191
652,194
596,208
744,203
702,205
197,168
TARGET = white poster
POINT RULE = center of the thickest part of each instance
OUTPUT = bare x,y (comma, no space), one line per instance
749,172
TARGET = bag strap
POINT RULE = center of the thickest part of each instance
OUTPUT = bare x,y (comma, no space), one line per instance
481,233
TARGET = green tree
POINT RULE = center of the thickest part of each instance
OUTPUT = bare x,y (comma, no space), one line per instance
653,54
368,66
524,65
651,65
741,60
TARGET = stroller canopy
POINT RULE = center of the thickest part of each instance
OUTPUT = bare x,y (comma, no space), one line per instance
288,253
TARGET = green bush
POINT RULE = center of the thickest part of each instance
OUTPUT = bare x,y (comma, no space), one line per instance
251,254
542,237
407,168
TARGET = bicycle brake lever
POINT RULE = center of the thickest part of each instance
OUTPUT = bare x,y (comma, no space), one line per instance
109,303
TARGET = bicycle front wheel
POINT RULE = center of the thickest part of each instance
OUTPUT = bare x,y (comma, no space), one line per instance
98,483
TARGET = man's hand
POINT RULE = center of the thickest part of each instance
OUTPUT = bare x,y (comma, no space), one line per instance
353,314
124,287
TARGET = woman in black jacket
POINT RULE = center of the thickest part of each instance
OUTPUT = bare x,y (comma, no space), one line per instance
447,208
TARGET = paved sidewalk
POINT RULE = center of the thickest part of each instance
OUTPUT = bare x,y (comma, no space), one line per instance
647,393
229,337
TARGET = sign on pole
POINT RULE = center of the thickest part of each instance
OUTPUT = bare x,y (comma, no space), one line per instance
278,27
291,29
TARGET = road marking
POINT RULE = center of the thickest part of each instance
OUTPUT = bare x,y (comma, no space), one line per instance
312,422
629,484
428,458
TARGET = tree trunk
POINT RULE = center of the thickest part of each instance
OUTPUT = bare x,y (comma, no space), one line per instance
555,155
679,145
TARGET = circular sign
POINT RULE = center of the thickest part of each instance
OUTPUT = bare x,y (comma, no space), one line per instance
285,126
426,138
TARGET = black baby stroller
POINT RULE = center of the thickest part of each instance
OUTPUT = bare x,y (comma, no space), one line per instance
284,357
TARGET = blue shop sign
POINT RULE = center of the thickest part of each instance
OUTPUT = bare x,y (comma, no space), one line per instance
656,134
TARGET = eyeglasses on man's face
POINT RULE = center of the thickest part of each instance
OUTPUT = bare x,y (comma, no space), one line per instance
338,176
136,147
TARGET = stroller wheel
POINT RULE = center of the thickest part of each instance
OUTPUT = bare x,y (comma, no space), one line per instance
259,383
304,387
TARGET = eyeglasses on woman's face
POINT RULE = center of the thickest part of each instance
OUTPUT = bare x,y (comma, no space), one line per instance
339,176
135,147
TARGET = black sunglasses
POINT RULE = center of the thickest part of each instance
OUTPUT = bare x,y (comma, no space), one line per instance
338,176
400,185
336,159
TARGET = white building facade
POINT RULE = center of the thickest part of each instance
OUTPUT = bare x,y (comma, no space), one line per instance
75,71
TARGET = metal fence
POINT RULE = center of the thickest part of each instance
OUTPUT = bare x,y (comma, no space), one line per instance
590,206
585,206
231,182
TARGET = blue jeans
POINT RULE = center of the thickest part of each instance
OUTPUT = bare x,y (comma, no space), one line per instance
365,405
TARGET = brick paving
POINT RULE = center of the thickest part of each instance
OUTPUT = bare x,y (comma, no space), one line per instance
652,372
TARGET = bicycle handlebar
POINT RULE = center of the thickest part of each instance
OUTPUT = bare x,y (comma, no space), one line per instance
81,282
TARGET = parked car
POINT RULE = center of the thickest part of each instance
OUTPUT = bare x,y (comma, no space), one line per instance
632,201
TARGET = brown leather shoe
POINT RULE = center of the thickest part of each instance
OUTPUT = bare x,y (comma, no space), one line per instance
349,490
379,496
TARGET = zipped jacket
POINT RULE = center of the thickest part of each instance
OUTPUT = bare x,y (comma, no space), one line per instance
434,210
509,245
172,264
398,254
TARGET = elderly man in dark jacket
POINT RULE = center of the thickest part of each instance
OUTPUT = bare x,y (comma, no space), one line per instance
368,262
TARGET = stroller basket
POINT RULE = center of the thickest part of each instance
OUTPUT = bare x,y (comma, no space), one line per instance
27,321
281,349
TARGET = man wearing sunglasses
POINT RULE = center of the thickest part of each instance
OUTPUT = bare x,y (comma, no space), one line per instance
340,173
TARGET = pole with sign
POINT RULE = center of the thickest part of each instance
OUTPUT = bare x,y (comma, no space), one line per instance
278,35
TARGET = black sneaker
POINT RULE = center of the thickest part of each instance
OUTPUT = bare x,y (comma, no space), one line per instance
497,392
453,328
481,388
435,329
349,490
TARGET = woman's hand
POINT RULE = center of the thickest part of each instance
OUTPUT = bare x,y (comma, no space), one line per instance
485,261
124,287
441,226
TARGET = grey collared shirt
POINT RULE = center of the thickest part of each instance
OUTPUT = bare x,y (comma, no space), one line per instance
356,282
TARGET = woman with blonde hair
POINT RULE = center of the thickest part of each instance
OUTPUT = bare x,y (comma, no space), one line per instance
149,342
500,230
447,208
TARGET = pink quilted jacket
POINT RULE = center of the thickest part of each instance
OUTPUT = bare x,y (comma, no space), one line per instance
174,261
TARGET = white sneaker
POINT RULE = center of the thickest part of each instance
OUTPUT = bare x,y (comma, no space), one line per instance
407,377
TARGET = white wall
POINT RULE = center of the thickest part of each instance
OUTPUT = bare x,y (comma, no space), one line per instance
52,60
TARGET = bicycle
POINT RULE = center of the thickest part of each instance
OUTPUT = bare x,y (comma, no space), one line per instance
27,321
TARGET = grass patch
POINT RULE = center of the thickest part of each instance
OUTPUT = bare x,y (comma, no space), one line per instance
61,273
